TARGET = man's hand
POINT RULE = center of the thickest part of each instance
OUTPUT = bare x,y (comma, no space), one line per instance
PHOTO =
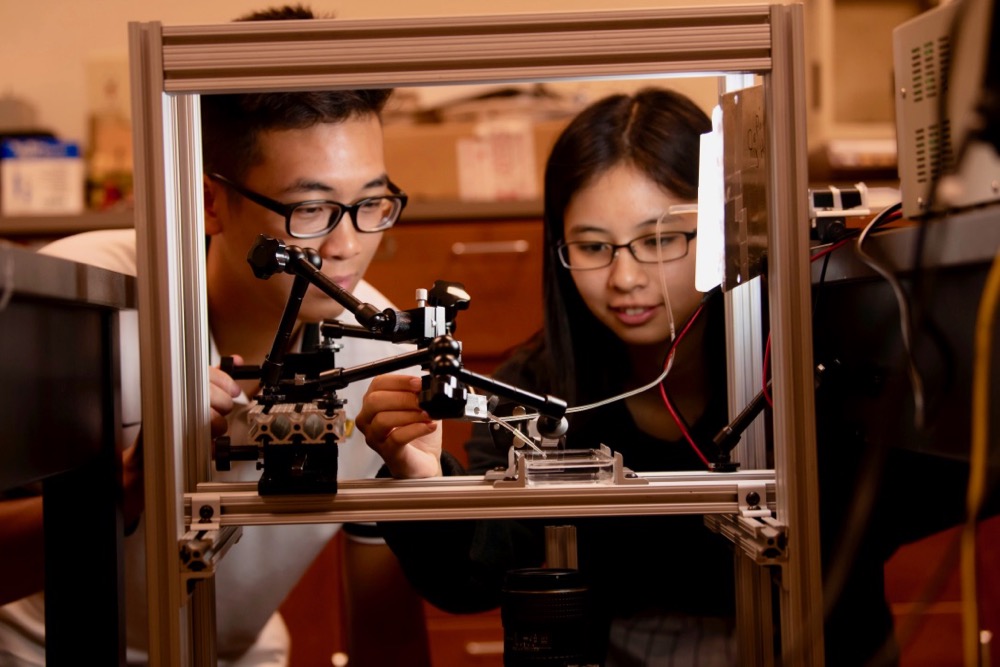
222,390
395,426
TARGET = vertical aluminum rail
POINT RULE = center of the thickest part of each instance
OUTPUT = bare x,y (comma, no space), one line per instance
789,284
173,343
172,66
162,292
744,373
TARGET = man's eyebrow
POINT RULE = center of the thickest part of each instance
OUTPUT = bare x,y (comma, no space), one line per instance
379,182
305,185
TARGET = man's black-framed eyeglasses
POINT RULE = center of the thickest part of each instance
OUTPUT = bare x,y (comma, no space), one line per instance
648,249
317,217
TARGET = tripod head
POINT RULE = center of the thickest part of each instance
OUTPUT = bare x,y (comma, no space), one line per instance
297,417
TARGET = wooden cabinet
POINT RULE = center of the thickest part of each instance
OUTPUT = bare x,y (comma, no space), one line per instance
317,621
464,640
500,264
314,610
922,583
498,261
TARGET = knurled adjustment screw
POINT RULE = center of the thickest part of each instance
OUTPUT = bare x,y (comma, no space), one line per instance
206,512
267,256
753,499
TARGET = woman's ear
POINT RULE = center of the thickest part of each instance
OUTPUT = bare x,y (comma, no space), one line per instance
214,199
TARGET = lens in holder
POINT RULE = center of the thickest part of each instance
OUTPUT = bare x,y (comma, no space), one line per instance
548,619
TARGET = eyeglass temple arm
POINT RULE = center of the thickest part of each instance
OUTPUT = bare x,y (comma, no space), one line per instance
269,255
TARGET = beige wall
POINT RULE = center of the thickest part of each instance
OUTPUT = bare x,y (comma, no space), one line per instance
50,48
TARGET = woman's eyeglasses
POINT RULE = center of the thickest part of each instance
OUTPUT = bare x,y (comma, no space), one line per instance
648,249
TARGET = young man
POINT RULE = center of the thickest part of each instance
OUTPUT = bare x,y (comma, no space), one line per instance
264,156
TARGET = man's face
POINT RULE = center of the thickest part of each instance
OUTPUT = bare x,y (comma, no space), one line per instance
342,162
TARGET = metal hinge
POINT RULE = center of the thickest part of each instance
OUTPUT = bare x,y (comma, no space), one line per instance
206,541
762,538
201,550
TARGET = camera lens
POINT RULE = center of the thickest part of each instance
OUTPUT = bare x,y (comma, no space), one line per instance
547,619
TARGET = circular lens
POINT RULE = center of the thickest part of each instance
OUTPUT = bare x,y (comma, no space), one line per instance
548,619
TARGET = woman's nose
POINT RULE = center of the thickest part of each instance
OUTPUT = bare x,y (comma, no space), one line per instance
626,272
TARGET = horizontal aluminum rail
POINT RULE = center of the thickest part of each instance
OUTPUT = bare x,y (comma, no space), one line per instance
473,497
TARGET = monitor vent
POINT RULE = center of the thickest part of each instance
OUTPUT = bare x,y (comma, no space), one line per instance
933,151
929,65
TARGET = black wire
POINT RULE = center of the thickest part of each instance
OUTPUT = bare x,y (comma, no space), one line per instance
818,288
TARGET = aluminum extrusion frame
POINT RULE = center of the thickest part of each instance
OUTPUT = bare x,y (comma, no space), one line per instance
171,66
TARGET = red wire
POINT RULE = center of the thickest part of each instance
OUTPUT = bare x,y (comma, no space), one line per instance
828,250
767,347
825,251
812,258
666,399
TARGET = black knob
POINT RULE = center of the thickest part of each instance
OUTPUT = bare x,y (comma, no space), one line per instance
223,453
267,256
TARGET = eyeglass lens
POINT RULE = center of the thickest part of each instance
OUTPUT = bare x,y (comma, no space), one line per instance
646,249
370,215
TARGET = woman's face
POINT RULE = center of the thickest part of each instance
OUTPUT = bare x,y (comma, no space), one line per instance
621,205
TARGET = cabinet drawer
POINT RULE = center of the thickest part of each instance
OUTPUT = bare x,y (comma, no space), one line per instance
499,263
464,640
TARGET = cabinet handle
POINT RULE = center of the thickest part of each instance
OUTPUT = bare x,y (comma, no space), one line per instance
518,247
484,648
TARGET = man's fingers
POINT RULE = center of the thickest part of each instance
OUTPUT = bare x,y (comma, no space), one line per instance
220,399
405,383
218,378
219,424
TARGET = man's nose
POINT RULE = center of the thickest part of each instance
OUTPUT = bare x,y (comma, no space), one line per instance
342,242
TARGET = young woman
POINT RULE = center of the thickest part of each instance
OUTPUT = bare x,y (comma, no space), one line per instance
617,300
619,297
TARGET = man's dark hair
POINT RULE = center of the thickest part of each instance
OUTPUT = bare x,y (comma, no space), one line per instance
281,13
231,123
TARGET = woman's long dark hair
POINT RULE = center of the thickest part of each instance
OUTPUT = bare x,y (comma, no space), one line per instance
659,132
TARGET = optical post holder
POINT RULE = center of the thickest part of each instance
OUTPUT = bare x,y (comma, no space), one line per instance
297,419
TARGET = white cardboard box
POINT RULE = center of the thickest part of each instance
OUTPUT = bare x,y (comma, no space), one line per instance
41,176
471,161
